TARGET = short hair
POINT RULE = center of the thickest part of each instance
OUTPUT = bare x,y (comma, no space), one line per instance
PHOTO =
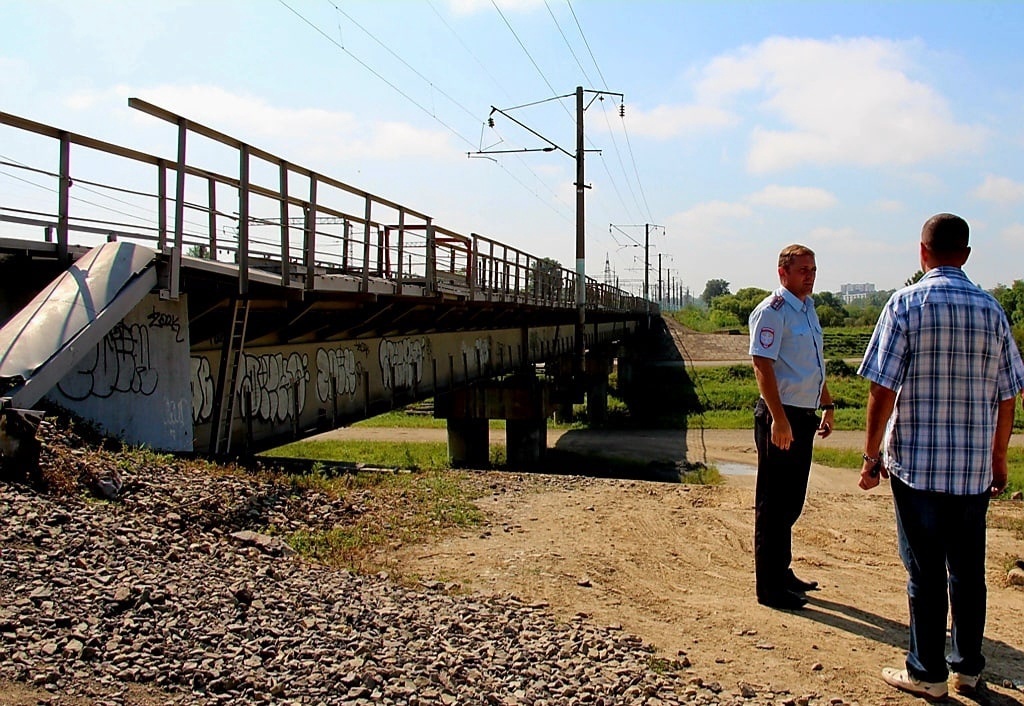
946,234
792,252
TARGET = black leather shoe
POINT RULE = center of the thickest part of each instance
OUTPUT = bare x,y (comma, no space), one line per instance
784,600
799,586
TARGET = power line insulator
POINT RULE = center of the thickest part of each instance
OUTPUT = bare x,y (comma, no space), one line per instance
490,122
622,110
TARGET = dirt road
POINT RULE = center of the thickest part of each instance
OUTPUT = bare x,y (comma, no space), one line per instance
674,565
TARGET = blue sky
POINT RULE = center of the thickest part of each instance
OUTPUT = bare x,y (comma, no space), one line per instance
747,126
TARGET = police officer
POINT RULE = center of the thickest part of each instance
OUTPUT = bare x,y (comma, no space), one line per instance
786,347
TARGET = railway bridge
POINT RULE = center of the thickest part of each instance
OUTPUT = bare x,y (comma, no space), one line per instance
190,307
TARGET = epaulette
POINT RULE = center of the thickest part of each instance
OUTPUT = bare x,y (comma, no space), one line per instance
777,302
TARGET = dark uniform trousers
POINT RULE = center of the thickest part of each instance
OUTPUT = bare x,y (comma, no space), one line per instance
779,498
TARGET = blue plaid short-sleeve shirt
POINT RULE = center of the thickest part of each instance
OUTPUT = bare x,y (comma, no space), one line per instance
945,347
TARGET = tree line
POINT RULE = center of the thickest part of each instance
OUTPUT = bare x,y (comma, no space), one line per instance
719,308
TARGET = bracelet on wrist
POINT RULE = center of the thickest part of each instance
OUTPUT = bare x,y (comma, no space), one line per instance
827,407
872,460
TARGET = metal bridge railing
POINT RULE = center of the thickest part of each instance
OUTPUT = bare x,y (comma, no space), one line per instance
267,213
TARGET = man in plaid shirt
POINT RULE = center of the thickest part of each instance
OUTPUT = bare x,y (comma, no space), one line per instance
944,372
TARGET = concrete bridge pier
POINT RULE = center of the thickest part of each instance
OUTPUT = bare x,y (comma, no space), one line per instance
468,442
526,441
597,371
523,401
591,388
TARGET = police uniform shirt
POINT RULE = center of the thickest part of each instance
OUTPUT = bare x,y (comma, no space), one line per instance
786,330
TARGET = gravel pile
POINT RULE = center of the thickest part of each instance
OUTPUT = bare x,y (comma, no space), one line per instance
171,594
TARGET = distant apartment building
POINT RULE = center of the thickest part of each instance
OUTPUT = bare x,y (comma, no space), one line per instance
852,292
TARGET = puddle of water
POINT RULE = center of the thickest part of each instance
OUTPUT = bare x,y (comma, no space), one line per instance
727,468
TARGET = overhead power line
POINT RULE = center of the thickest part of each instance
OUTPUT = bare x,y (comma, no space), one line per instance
528,55
567,44
369,68
416,103
585,42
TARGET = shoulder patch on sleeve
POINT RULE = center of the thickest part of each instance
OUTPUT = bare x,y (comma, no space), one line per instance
766,337
777,302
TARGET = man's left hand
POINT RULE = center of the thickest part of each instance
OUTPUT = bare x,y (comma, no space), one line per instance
999,477
825,428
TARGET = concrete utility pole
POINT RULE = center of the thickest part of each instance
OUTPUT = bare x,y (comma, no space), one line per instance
647,263
647,256
581,269
659,278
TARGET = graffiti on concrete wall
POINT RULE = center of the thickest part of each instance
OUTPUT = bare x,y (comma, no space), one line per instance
479,353
163,319
274,384
131,382
201,382
340,365
402,361
120,363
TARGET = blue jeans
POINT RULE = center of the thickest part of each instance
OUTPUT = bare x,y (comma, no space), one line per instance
942,545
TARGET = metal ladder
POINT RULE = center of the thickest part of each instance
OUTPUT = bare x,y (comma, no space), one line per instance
227,380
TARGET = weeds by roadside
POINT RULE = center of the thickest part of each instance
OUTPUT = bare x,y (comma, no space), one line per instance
394,508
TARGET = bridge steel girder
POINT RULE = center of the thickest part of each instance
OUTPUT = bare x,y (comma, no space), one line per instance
294,390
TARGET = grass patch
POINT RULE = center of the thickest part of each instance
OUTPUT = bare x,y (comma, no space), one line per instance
838,458
408,455
412,418
851,458
733,389
433,457
845,419
727,394
1015,471
660,665
396,509
699,474
404,420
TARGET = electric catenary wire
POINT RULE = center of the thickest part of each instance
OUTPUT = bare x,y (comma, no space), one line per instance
409,98
366,66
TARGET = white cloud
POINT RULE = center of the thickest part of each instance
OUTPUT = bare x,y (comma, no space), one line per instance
667,121
136,26
1013,234
1000,190
844,101
925,181
847,239
300,133
801,198
709,219
836,235
888,205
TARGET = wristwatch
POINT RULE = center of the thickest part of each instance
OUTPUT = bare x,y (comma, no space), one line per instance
827,407
876,464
